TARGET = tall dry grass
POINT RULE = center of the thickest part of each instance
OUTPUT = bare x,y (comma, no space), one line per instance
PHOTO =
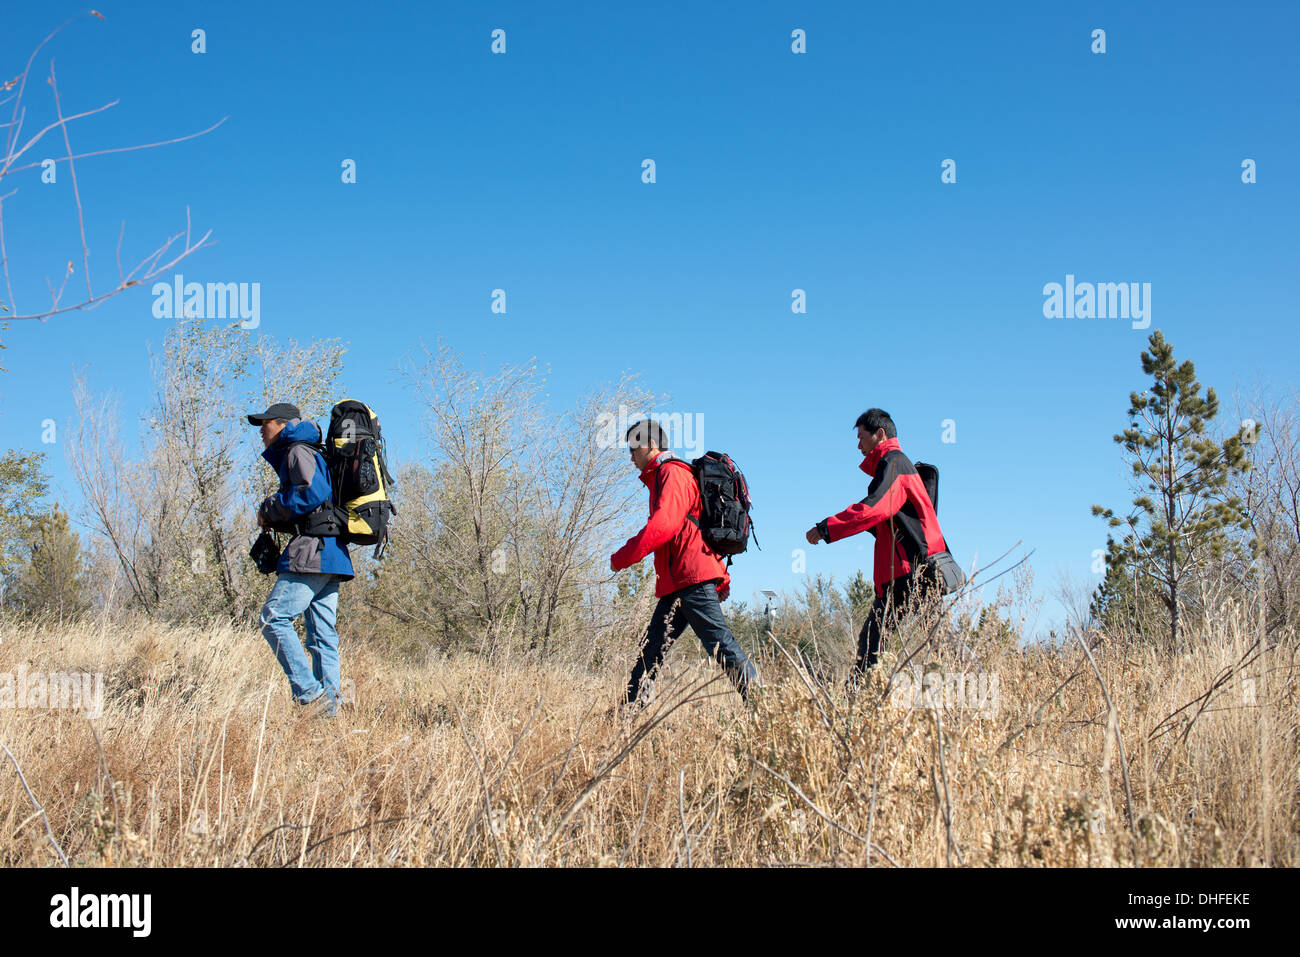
200,759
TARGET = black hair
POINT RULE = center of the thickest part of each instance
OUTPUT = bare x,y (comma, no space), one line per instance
646,434
874,419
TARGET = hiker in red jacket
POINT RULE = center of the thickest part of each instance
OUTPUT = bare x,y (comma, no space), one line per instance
691,581
897,510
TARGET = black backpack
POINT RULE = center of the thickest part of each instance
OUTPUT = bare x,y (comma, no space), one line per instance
930,478
942,567
359,478
724,521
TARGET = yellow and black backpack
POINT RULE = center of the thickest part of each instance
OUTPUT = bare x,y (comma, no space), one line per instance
359,479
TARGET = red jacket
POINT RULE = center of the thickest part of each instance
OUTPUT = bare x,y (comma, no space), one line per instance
681,557
897,508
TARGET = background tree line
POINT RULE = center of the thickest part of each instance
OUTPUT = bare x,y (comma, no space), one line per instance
507,515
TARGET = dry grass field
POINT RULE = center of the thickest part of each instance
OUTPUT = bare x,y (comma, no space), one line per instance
198,759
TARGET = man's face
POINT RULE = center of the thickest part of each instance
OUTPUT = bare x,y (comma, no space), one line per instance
642,458
869,440
271,430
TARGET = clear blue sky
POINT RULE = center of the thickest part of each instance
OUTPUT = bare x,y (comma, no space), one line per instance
775,171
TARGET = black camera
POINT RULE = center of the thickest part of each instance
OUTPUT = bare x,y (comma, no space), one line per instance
265,553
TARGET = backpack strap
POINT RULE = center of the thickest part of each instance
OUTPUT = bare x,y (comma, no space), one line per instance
317,447
659,483
916,546
323,520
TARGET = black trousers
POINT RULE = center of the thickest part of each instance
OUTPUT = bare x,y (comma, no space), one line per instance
697,606
892,602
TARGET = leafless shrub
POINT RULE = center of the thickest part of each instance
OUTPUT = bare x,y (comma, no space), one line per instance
506,531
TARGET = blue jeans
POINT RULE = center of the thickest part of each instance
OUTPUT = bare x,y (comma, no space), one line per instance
697,606
315,596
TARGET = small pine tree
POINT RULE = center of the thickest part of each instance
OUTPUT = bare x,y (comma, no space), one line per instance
859,594
52,581
1181,513
1127,601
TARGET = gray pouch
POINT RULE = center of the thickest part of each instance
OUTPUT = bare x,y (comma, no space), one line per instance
942,569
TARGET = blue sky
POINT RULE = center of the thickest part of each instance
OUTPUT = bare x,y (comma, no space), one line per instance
775,171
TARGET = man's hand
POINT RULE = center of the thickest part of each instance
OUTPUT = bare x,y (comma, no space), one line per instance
813,535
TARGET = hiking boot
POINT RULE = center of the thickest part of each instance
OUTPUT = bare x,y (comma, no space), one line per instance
625,712
320,707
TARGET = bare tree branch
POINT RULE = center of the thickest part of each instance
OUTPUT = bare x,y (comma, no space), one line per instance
148,268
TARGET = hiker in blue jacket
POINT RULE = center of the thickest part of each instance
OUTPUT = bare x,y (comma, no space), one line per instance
311,566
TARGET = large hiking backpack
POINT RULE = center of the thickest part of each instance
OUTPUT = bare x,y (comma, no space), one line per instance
724,504
354,453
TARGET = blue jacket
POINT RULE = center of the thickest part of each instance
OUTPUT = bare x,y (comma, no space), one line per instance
304,485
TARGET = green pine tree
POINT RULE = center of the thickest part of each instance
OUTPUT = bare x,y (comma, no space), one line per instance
1128,600
859,594
1182,511
53,579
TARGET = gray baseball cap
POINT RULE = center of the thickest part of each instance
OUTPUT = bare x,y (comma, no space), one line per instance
279,410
